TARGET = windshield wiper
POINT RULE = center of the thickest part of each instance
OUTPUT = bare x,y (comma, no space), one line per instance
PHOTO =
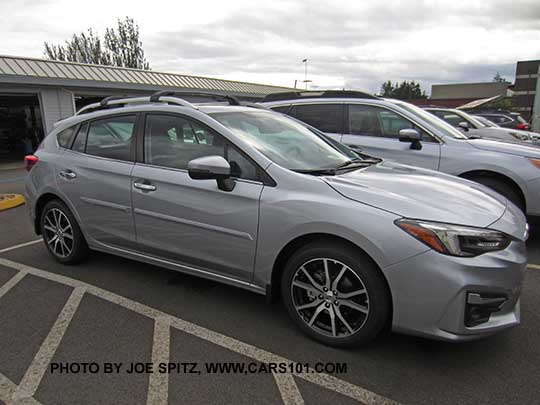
353,163
317,172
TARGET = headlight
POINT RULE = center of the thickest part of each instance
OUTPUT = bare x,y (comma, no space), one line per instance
521,137
454,240
535,162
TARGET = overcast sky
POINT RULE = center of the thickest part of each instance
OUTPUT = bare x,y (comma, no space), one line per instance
351,44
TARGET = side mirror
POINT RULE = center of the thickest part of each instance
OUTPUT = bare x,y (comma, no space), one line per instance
464,126
212,167
412,136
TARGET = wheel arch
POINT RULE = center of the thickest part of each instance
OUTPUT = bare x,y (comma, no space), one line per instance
273,291
40,204
474,174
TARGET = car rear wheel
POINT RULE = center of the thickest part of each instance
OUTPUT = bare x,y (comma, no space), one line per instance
335,294
61,233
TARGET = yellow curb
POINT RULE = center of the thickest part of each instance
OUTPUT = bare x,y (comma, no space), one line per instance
10,201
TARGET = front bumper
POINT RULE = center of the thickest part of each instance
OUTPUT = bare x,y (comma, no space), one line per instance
430,292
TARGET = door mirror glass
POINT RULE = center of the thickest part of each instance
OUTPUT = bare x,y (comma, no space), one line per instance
412,136
212,167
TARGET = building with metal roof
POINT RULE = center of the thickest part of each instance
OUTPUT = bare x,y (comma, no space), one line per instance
35,93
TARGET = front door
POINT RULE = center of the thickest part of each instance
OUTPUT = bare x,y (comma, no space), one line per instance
192,222
375,130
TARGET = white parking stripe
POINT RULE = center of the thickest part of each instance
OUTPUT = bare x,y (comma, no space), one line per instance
37,369
11,283
290,394
324,380
7,388
534,266
158,384
21,245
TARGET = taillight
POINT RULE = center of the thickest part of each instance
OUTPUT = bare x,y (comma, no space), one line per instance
30,161
522,126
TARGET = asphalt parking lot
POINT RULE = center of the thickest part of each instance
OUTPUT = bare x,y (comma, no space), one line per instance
116,310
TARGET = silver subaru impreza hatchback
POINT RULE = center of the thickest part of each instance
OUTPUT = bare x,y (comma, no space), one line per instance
353,245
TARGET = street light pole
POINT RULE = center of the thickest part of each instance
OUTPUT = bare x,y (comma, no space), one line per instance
305,78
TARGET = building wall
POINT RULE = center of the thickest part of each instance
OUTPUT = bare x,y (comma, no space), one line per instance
56,104
468,90
525,87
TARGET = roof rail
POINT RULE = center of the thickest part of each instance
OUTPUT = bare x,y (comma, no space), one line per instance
295,95
121,101
216,96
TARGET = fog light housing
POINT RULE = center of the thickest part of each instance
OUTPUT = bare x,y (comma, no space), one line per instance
480,306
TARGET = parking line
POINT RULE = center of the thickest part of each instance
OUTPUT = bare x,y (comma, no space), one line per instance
8,388
21,245
37,369
324,380
290,394
158,383
11,283
534,266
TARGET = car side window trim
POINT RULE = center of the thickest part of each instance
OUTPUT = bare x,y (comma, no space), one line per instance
435,138
89,122
263,177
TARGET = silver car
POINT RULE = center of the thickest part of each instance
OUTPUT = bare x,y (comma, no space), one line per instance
249,197
473,126
407,134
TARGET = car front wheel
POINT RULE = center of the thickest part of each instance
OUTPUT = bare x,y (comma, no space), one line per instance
335,294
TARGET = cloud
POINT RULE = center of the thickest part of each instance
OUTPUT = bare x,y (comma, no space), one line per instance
352,44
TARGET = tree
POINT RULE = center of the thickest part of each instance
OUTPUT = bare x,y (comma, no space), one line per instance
403,91
120,47
498,78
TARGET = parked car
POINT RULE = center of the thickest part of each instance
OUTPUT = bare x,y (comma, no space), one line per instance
254,199
400,131
474,127
504,119
485,121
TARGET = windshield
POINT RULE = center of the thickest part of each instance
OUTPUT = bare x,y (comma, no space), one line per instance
436,122
476,122
282,140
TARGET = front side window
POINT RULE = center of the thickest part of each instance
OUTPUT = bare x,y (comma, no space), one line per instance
172,141
282,140
111,137
370,120
325,117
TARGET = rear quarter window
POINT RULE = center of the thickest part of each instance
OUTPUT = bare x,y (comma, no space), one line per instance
65,137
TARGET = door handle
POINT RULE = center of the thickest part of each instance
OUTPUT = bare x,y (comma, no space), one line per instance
67,174
144,187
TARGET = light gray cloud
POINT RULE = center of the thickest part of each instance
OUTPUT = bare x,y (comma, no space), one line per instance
353,44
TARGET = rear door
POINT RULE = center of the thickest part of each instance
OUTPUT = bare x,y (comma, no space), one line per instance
374,130
192,222
95,177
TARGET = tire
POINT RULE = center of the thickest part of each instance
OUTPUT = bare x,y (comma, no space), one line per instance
357,273
502,188
65,249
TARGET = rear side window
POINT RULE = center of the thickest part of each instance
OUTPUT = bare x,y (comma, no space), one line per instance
111,137
65,137
325,117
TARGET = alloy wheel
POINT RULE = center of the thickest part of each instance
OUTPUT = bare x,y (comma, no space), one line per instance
58,232
330,297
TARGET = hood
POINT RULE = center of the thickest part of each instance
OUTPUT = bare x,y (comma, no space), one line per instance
512,148
513,134
421,194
